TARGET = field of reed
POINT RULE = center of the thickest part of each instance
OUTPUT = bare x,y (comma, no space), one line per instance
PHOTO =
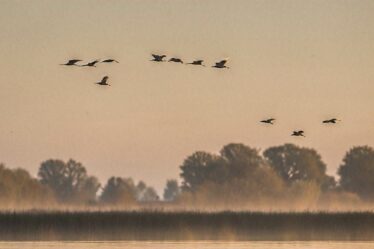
158,225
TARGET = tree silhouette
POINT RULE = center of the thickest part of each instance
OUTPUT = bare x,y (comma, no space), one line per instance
242,159
52,174
294,163
149,195
69,181
144,193
89,189
236,176
119,191
19,189
196,169
171,191
357,172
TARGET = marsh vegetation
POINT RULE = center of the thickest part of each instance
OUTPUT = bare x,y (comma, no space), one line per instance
153,225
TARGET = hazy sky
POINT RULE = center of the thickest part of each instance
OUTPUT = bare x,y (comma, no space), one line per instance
297,61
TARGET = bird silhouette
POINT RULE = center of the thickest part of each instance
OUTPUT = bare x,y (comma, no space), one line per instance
71,63
91,64
220,64
299,133
158,58
197,62
103,81
330,121
268,121
176,60
109,61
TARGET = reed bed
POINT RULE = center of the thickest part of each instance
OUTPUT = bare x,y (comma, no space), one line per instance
158,225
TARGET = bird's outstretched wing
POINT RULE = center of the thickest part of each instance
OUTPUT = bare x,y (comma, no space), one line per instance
333,121
176,60
92,63
104,80
268,121
73,61
110,60
221,63
156,57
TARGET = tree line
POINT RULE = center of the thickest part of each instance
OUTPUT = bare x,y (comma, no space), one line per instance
281,177
67,184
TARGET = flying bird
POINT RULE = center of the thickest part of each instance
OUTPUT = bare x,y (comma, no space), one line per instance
71,62
176,60
158,58
197,62
330,121
103,81
220,64
268,121
91,64
299,133
109,61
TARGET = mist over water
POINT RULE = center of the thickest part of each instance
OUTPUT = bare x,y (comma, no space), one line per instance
239,178
172,156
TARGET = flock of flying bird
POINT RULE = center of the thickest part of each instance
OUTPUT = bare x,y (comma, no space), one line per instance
160,58
104,80
300,133
156,58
